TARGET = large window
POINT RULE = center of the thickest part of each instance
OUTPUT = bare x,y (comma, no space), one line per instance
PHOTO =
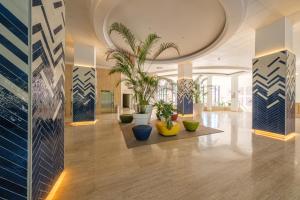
245,92
221,91
167,91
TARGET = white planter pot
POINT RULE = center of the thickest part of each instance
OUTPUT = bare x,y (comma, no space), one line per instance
141,119
197,109
149,110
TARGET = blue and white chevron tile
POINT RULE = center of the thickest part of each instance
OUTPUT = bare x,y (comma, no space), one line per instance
274,92
48,66
14,70
84,94
185,96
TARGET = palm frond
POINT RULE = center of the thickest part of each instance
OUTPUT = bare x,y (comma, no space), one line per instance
165,46
120,56
123,80
145,47
125,33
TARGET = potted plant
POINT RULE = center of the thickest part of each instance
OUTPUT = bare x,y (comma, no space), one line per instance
159,108
131,63
166,126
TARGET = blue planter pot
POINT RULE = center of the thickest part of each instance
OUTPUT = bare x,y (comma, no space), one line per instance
142,132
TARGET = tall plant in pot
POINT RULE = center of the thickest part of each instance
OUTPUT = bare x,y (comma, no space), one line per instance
131,63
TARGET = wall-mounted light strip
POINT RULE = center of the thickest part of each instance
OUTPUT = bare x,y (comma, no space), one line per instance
56,186
275,135
86,123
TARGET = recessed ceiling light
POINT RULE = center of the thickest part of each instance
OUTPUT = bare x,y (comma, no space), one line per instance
297,74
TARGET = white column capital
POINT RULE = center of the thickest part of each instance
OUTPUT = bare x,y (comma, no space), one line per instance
84,55
274,37
185,70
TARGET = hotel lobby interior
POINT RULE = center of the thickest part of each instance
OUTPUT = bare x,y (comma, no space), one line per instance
150,99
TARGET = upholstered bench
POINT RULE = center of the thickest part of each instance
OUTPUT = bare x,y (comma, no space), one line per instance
190,126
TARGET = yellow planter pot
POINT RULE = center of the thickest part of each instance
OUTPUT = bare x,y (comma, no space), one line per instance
162,129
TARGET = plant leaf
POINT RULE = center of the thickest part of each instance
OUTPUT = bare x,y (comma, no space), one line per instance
165,46
125,33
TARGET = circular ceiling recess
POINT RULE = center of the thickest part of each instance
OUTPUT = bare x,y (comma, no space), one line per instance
191,24
196,26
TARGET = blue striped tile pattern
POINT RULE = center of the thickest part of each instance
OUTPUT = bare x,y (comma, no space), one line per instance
47,95
84,94
185,96
274,93
13,102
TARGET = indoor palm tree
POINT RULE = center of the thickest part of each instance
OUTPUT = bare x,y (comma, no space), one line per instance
131,62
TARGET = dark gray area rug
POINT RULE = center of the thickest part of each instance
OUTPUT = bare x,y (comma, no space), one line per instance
155,137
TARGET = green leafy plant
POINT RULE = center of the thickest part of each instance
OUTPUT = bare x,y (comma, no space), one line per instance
131,62
159,107
167,110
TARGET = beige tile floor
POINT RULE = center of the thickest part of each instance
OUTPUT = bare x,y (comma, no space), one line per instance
234,165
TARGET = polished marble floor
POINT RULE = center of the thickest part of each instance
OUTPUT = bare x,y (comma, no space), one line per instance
234,165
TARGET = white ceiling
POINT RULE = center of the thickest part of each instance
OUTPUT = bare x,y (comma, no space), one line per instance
193,26
238,51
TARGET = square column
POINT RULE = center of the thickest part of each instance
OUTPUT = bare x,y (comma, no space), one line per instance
234,93
84,84
274,74
185,89
209,92
31,97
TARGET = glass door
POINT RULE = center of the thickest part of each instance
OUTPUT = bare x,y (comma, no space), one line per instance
107,101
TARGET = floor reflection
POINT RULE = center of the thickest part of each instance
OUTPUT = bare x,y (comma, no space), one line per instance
235,164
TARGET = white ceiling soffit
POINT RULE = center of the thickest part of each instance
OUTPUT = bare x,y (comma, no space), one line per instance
221,70
197,27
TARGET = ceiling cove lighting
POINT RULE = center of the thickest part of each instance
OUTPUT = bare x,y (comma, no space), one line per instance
185,115
86,123
272,52
275,135
88,66
56,186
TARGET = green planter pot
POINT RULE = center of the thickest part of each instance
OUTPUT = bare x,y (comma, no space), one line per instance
126,118
190,126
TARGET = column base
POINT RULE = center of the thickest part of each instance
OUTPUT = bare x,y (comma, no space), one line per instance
185,115
275,136
86,123
56,186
